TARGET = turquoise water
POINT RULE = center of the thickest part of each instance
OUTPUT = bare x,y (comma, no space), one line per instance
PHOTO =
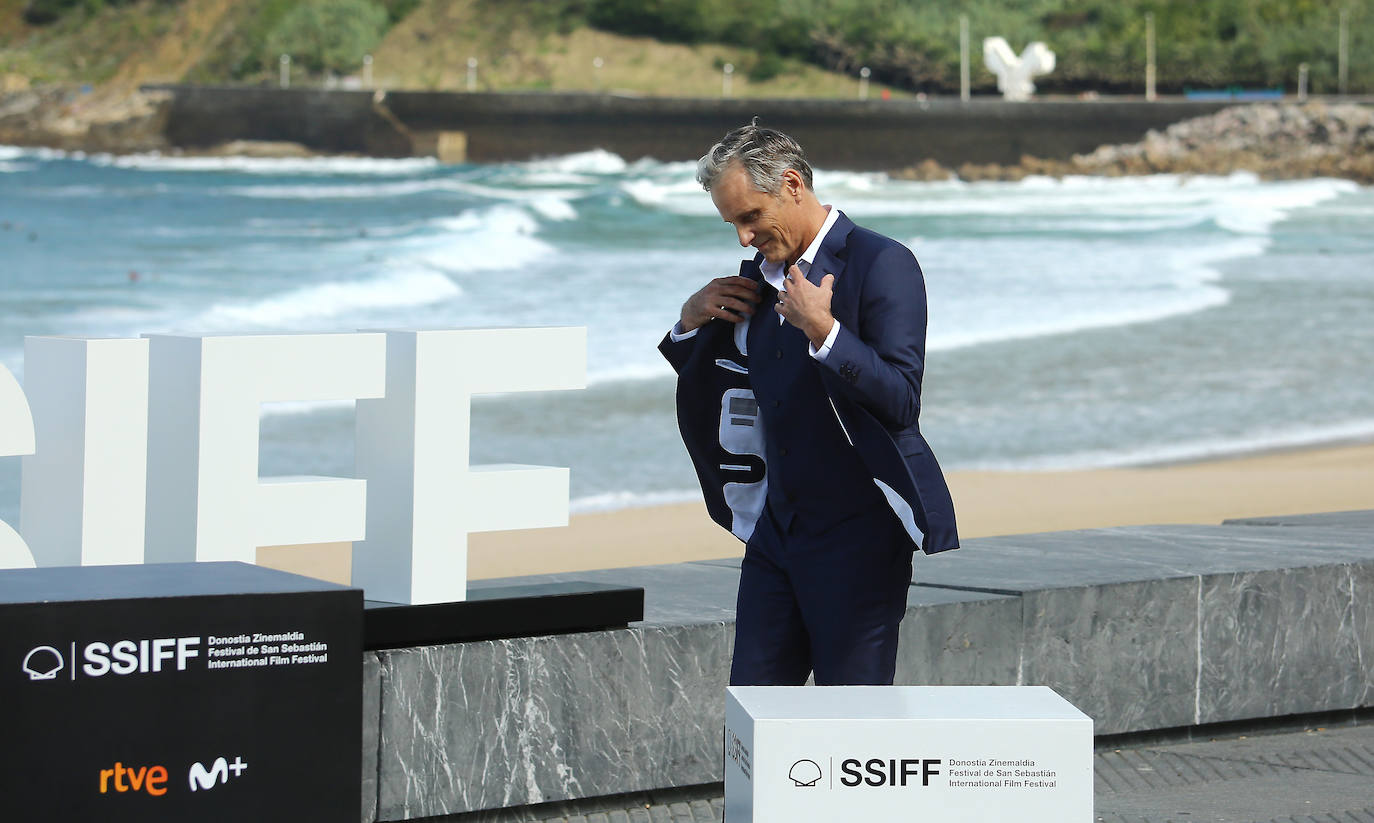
1084,322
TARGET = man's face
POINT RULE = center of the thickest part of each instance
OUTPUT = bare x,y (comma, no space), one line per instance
771,223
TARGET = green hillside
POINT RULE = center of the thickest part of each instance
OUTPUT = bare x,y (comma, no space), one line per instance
678,47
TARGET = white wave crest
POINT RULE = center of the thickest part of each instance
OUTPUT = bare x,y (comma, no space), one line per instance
596,161
331,300
683,197
1200,300
554,208
38,153
494,239
270,165
997,290
337,191
1239,445
629,373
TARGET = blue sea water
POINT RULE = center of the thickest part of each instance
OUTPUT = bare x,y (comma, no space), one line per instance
1075,323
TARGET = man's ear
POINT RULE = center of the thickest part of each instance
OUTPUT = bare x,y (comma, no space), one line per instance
792,183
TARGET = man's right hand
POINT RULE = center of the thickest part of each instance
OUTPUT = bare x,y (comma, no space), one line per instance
729,298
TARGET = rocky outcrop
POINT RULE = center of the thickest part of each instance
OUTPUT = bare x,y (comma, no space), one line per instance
64,118
1275,141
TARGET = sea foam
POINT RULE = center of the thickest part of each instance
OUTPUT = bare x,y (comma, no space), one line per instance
316,304
269,165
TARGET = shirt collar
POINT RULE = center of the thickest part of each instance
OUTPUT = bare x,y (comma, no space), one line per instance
773,273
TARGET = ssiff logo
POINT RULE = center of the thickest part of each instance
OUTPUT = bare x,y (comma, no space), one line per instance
43,663
805,773
120,657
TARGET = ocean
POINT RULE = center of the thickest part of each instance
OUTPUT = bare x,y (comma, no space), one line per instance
1083,322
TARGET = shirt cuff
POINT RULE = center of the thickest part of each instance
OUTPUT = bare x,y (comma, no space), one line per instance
677,335
824,351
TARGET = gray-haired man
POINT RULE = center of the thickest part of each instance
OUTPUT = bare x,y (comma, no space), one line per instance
799,387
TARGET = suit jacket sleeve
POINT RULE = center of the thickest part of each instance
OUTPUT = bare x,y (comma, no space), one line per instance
677,353
880,362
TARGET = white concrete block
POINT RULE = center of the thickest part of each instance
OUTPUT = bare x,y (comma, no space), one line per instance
938,754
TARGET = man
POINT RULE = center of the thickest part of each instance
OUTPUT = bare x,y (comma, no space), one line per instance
799,387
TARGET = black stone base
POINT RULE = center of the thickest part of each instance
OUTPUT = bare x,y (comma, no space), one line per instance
501,612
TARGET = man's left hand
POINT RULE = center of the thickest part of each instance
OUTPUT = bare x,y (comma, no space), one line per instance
807,306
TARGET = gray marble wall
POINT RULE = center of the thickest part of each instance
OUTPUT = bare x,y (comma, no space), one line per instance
1142,628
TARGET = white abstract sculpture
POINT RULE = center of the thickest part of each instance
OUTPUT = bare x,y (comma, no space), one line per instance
16,438
412,447
83,489
1014,73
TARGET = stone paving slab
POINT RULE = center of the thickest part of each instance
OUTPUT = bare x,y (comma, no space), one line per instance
1321,775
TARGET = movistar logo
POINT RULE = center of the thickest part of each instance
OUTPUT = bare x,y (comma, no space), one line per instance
202,778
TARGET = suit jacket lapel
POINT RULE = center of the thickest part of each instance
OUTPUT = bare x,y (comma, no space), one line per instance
830,257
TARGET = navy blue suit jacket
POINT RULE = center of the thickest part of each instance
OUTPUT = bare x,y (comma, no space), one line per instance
872,377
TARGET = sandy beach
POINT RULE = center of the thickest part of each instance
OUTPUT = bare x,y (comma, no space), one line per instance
1336,478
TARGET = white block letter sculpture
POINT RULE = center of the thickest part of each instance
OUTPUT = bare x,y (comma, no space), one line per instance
1014,73
16,438
204,498
423,497
83,489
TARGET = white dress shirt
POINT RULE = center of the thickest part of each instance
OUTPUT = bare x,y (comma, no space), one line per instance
774,273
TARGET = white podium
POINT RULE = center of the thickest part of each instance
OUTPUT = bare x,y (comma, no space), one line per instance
935,754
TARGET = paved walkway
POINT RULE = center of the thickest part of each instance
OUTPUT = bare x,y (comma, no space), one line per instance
1321,775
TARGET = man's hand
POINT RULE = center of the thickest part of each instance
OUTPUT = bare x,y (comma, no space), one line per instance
729,298
807,306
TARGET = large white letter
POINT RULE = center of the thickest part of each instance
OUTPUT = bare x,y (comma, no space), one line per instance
82,501
423,498
204,498
16,438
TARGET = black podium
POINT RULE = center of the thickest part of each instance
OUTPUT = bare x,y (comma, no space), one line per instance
188,691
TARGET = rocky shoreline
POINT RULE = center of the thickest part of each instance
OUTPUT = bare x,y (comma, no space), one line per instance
1275,141
61,117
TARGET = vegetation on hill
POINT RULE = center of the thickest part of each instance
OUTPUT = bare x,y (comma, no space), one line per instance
1100,44
776,46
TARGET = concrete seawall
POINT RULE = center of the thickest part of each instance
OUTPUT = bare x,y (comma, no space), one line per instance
839,134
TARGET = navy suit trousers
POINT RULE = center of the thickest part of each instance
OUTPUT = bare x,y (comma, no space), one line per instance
829,601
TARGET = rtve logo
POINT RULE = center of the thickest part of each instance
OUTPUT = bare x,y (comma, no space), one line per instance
153,779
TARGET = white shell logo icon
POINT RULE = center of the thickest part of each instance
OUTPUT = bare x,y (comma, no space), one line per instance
805,773
43,663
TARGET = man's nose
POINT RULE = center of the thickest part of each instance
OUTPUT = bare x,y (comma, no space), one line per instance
745,235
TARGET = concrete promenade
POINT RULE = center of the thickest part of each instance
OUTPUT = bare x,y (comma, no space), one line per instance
1323,774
